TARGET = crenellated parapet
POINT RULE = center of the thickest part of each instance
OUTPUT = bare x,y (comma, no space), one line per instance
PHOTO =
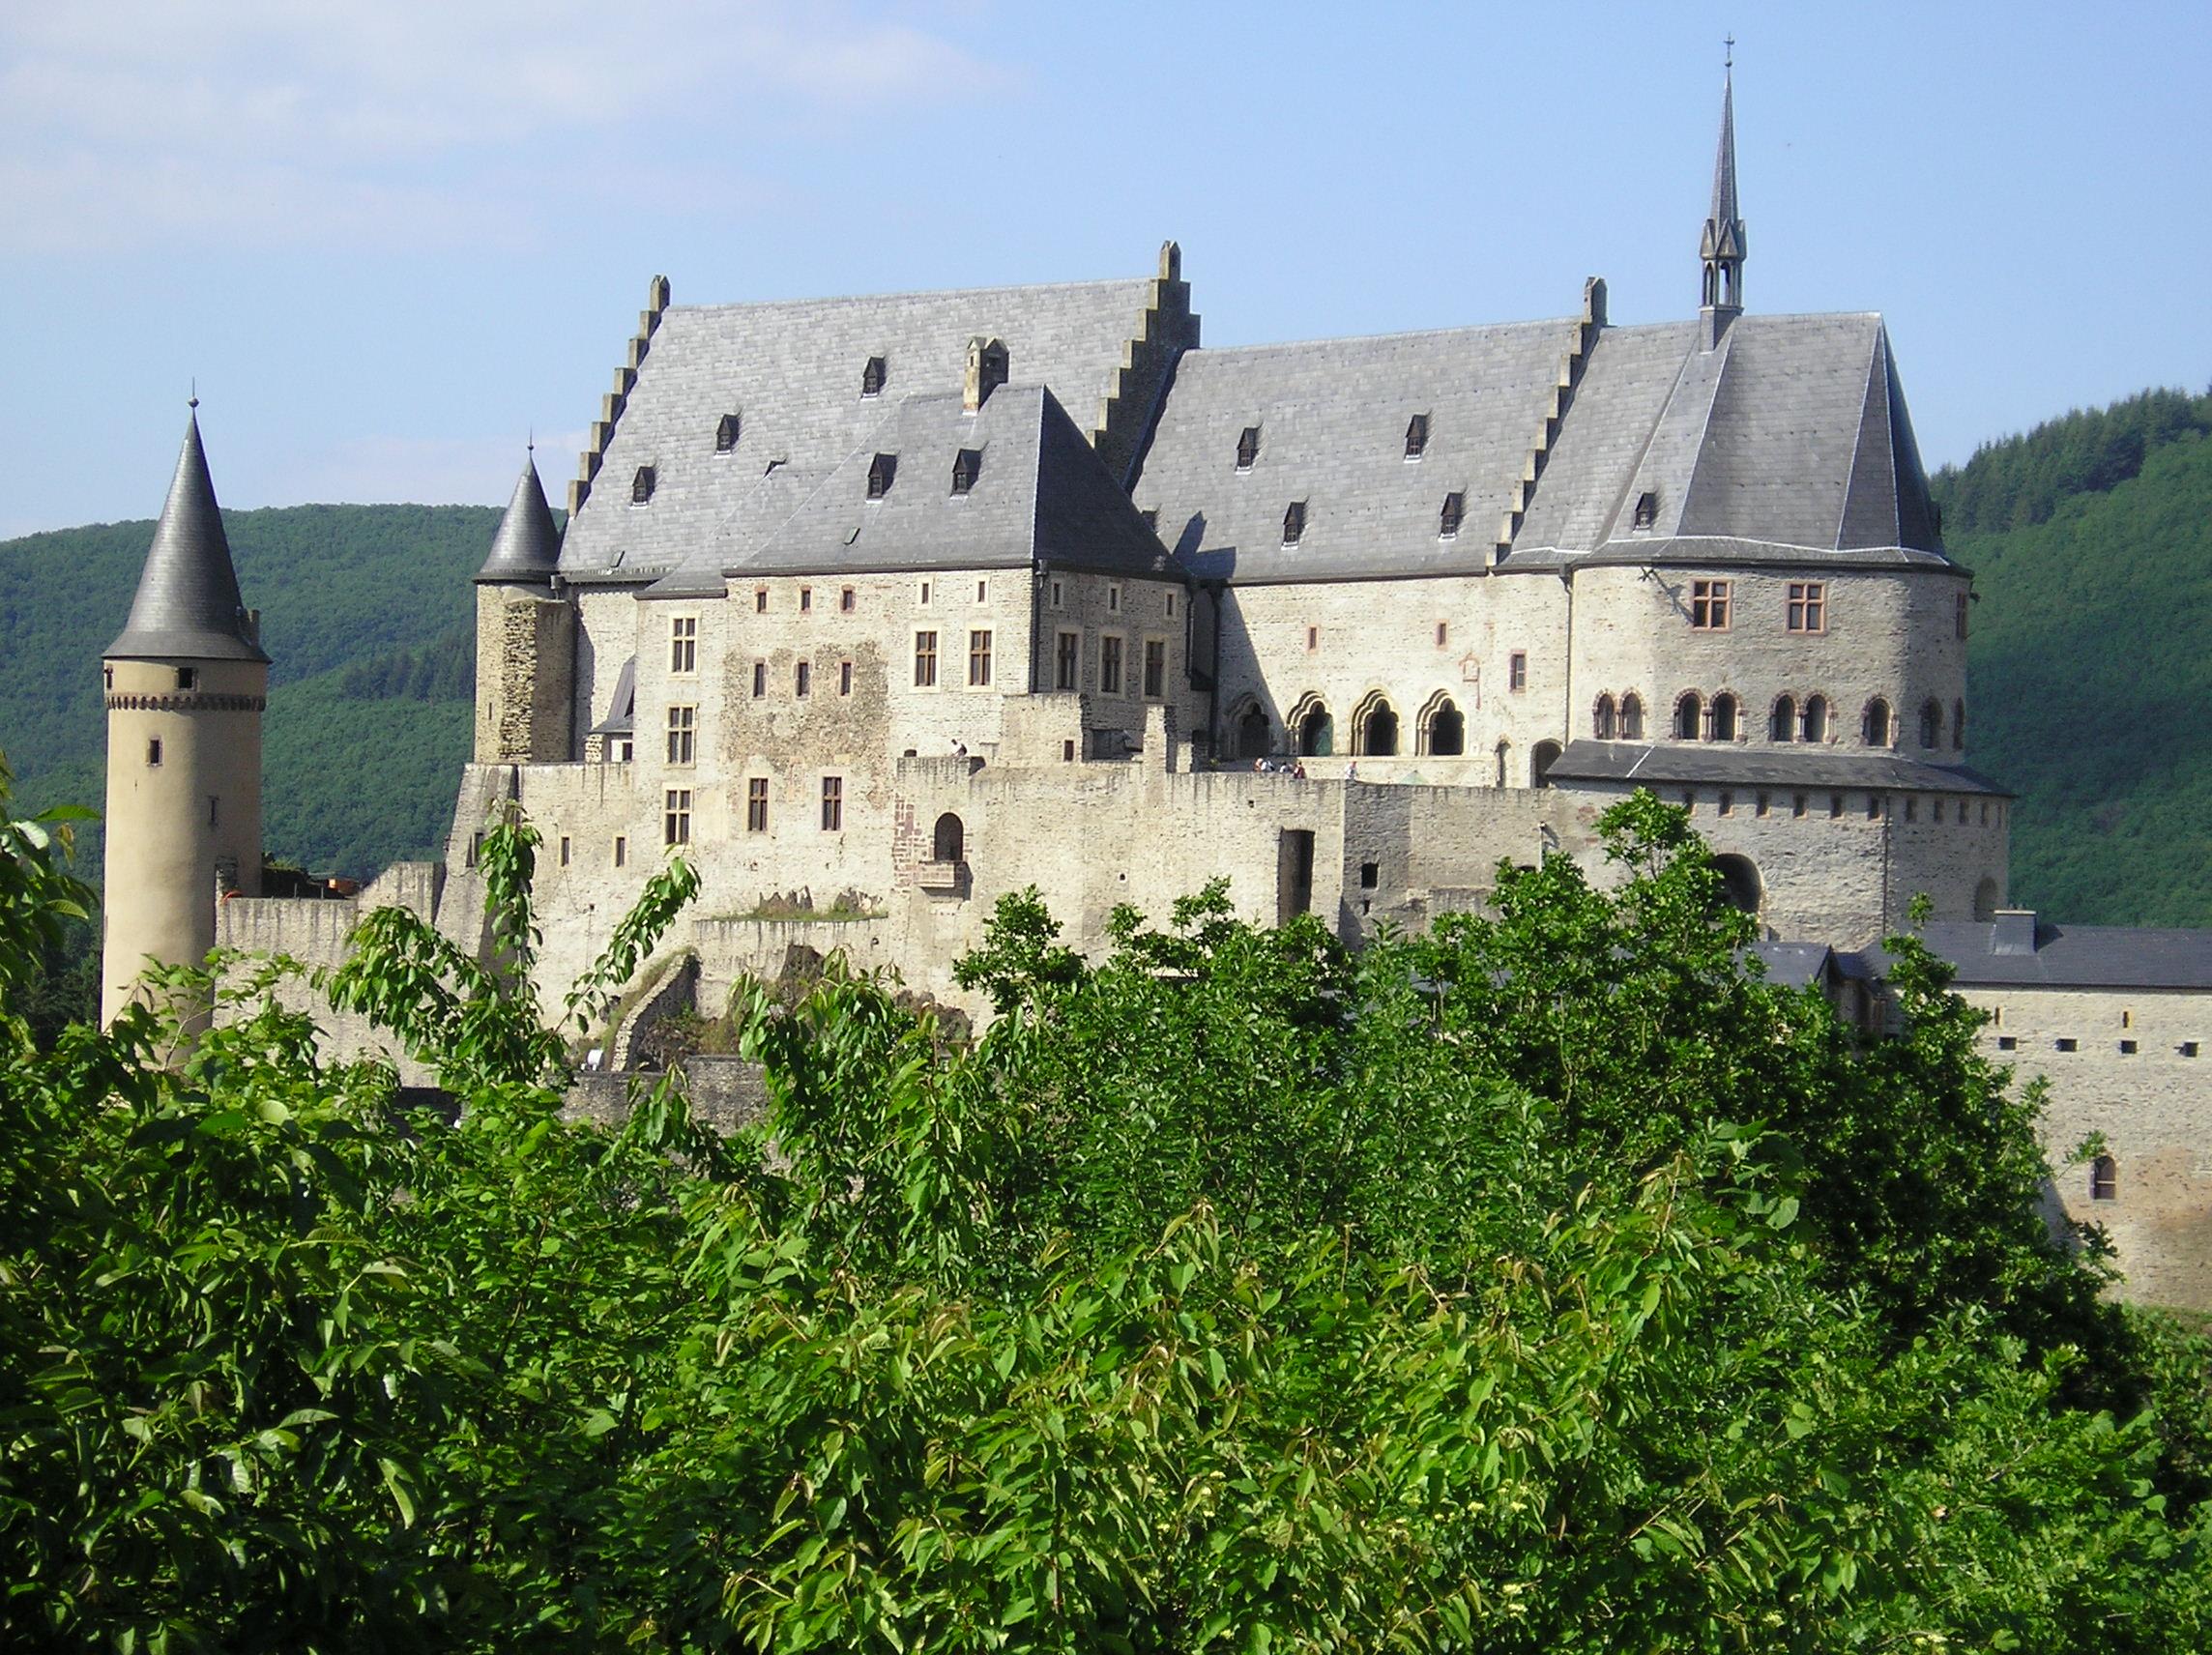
612,404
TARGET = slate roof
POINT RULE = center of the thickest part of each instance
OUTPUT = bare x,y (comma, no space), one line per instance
792,373
1788,442
527,548
1780,765
1040,494
2077,956
188,605
1794,965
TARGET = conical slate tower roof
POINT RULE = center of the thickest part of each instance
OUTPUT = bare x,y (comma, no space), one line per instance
528,546
188,605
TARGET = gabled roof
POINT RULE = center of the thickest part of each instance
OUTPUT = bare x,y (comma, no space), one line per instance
2075,956
527,548
792,373
188,606
1039,494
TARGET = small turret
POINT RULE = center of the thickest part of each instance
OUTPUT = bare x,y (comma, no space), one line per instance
526,637
1722,245
186,682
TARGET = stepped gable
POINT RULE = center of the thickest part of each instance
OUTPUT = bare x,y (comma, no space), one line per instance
790,376
188,605
1333,418
1039,493
1789,439
527,549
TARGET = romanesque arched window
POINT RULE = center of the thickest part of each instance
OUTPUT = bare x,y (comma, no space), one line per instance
2104,1179
1252,733
1931,723
1815,721
1375,727
1504,755
1632,717
1689,716
1874,725
1442,727
1317,731
1601,718
949,842
1740,882
1782,722
1724,717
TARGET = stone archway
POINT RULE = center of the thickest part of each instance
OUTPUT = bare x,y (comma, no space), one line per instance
1740,882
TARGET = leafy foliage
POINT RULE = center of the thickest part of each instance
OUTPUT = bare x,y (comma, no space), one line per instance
1528,1287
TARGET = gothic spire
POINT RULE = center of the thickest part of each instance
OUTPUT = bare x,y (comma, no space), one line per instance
188,605
528,545
1722,245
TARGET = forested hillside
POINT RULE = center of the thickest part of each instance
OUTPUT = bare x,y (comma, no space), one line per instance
367,610
2091,542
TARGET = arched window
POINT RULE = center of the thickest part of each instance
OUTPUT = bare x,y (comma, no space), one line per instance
1374,728
1815,721
2104,1179
949,843
1782,722
1504,752
1931,723
1874,727
1724,717
1541,758
1601,718
1986,898
1739,881
1443,729
1688,716
1959,725
1252,734
1632,717
1316,732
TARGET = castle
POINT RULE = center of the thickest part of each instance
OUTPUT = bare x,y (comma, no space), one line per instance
879,608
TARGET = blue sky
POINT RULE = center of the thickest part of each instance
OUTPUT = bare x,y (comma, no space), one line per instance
391,238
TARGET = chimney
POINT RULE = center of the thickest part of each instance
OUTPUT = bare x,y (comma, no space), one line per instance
986,371
2014,932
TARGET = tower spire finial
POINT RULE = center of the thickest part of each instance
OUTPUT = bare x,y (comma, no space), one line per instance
193,402
1721,248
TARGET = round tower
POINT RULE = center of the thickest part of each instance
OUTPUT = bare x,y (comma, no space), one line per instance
526,637
185,685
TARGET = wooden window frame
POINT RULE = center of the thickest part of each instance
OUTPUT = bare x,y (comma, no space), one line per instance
756,804
925,658
683,645
683,731
1711,605
1808,607
832,804
978,657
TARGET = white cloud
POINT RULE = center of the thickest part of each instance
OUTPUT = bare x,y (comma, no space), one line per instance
281,123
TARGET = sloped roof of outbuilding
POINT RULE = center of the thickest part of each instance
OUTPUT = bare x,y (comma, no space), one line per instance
2075,956
188,605
1781,765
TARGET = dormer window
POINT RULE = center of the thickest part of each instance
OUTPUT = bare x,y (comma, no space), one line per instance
641,486
1646,509
1448,521
1295,523
1416,436
1248,447
872,377
726,433
967,466
880,474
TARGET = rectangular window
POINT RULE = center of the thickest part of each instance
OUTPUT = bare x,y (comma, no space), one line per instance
2188,1048
622,849
806,601
982,591
926,593
1059,597
1808,606
214,806
845,600
154,750
803,678
1709,605
1313,639
1835,804
832,804
564,850
621,748
760,680
1911,808
1444,633
760,600
2008,1042
2067,1044
844,678
1110,665
756,804
2127,1048
1960,622
925,661
1517,671
683,722
1113,600
1171,607
979,658
1156,668
188,678
683,644
1066,660
676,817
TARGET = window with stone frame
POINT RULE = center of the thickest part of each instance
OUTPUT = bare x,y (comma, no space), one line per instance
1068,661
832,804
683,644
846,601
1109,665
1632,717
756,804
675,816
802,680
1156,668
760,680
925,661
844,678
1808,606
622,850
1709,605
683,723
1517,671
978,657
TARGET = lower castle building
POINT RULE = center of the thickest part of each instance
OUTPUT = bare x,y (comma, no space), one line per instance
879,608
